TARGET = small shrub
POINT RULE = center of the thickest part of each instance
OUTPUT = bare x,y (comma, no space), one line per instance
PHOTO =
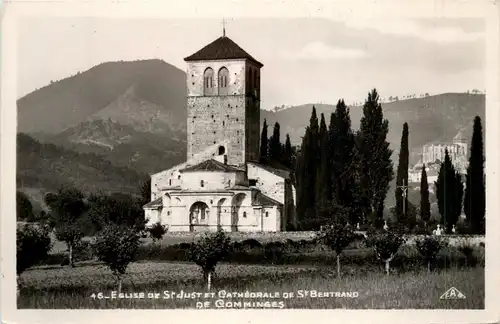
337,237
385,245
83,251
429,247
157,231
208,251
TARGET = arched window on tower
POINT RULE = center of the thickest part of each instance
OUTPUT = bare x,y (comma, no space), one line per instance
223,81
208,79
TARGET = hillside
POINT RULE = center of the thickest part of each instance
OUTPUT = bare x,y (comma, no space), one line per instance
47,167
432,119
68,102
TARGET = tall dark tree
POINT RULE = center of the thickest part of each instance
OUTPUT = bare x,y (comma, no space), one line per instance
475,192
288,153
341,147
425,206
306,172
264,141
401,210
275,147
322,183
449,191
375,164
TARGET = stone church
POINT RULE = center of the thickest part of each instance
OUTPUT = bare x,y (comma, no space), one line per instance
223,184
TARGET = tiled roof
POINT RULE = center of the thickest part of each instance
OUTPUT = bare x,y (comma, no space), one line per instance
264,200
211,166
223,48
154,204
285,174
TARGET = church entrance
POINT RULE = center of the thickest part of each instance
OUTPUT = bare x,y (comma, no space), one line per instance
198,217
235,212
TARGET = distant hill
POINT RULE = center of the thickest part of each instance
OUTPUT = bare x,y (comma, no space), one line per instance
47,167
431,119
68,102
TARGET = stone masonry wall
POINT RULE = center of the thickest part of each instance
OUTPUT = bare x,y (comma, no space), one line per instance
214,119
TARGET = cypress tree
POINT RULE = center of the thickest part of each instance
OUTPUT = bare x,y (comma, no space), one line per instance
306,173
275,148
475,192
425,206
402,179
342,148
376,168
263,142
449,191
323,186
288,153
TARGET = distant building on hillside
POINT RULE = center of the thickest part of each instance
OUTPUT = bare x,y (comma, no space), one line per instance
457,150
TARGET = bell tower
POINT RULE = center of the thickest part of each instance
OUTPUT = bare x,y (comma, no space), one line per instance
223,101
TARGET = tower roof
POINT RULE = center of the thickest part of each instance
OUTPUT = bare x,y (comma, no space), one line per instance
223,48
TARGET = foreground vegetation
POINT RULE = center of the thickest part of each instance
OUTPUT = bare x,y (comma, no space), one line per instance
63,287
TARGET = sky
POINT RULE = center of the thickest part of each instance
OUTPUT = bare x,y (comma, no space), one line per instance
306,60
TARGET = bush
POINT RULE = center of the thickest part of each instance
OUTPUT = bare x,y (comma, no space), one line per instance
429,247
83,251
386,245
157,231
33,246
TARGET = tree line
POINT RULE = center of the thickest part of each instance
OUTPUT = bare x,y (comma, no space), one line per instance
344,175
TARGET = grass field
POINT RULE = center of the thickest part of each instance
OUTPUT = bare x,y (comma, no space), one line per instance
53,287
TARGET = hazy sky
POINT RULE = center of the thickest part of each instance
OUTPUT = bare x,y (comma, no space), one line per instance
305,60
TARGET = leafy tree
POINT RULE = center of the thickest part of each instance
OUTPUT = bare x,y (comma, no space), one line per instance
375,165
425,206
275,148
157,231
117,208
66,209
449,191
264,141
402,178
475,191
385,244
116,246
24,207
337,237
33,246
429,247
208,251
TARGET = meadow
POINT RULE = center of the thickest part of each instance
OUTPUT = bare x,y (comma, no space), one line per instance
56,287
289,267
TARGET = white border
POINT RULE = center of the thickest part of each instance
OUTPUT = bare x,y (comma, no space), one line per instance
239,8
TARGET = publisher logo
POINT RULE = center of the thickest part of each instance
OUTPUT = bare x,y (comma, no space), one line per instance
452,293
